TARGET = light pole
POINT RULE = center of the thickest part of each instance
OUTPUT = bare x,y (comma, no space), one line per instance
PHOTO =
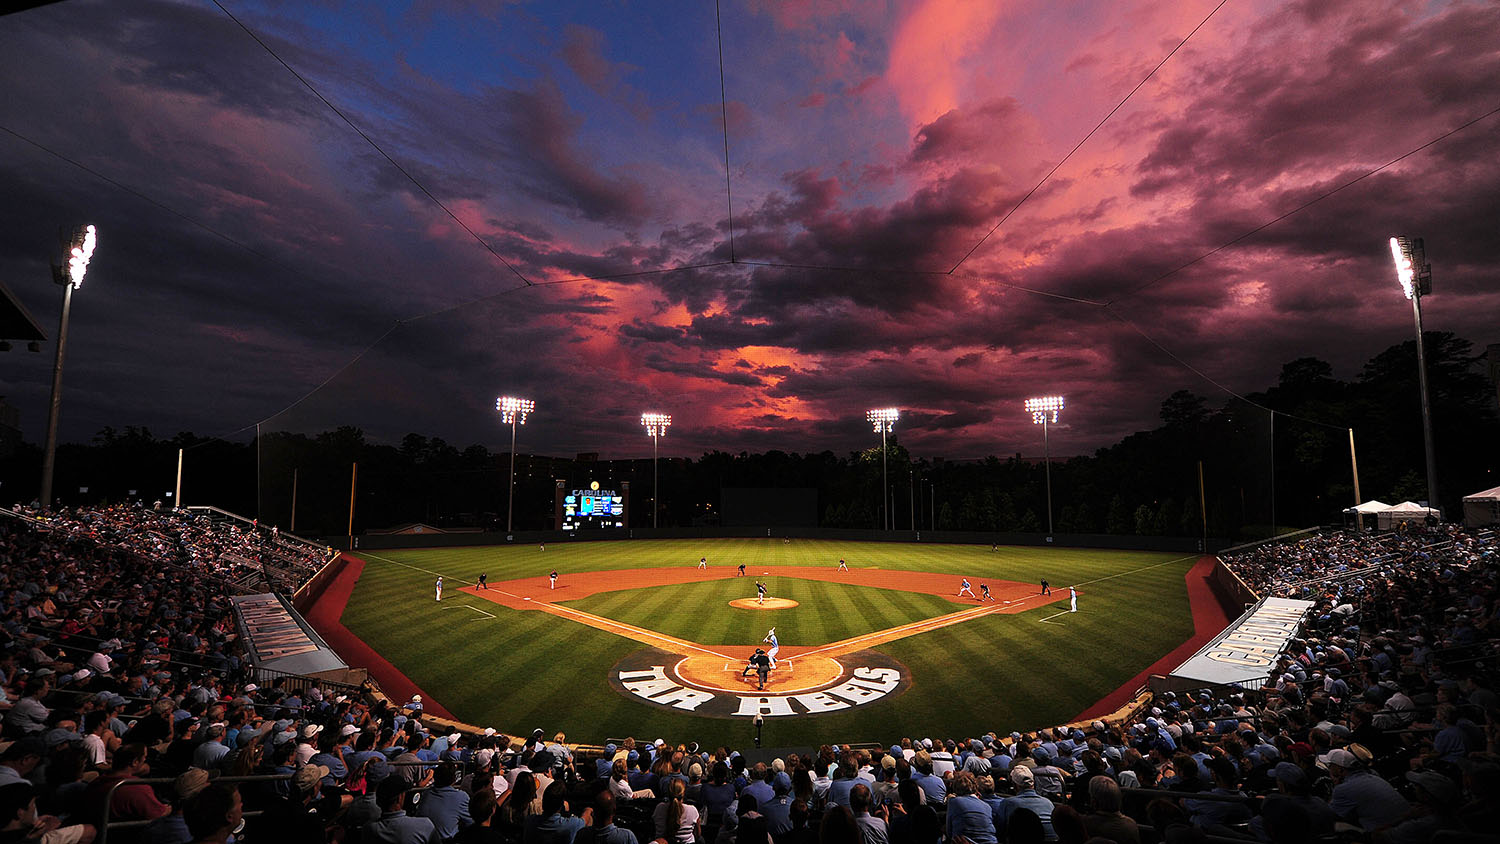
1045,410
1415,275
80,248
884,419
656,427
512,412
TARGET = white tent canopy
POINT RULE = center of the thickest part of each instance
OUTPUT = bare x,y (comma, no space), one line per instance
1406,511
1482,508
1371,506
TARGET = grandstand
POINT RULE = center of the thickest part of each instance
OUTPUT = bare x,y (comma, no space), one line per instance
121,639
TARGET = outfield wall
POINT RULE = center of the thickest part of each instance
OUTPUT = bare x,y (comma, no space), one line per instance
1177,544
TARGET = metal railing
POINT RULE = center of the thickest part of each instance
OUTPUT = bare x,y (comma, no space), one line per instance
109,798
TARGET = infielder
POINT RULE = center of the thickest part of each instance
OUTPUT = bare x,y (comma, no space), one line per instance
702,562
1072,599
440,588
775,646
984,589
760,591
843,566
965,590
553,578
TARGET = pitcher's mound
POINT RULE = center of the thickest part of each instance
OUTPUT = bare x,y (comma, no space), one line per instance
770,604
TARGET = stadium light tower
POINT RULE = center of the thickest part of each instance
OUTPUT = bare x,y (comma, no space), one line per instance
884,419
1415,275
1045,410
512,412
80,248
656,427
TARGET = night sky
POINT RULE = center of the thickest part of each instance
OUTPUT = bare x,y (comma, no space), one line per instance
252,244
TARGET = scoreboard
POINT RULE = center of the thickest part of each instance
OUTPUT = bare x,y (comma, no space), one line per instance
585,509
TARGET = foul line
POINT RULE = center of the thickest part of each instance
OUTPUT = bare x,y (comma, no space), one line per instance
640,634
416,568
468,607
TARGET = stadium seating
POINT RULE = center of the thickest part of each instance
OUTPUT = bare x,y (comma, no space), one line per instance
1380,720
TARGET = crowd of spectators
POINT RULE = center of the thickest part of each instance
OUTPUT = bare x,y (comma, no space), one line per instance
1379,724
214,545
1297,568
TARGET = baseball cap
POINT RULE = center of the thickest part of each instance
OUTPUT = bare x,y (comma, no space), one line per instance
348,730
888,763
308,775
1340,757
1438,787
1022,776
1288,773
311,730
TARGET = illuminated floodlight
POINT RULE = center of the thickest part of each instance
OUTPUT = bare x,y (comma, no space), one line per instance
883,418
1405,270
1044,409
513,409
656,423
82,249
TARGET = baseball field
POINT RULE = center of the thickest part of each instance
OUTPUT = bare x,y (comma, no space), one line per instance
635,638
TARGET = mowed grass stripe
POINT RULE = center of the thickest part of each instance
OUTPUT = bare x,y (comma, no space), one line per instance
530,669
700,612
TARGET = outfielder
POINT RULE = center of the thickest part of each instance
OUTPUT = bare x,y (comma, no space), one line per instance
760,591
775,646
965,590
440,588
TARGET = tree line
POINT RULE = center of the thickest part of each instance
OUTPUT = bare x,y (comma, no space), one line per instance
1290,441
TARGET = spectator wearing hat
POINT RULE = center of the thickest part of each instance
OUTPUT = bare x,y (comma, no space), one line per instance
333,754
1359,796
778,810
294,818
20,820
1027,798
1048,778
307,743
210,753
19,759
394,826
933,787
443,804
1293,805
173,828
1438,800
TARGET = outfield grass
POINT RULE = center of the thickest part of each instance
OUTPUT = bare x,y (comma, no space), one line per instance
526,669
826,612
